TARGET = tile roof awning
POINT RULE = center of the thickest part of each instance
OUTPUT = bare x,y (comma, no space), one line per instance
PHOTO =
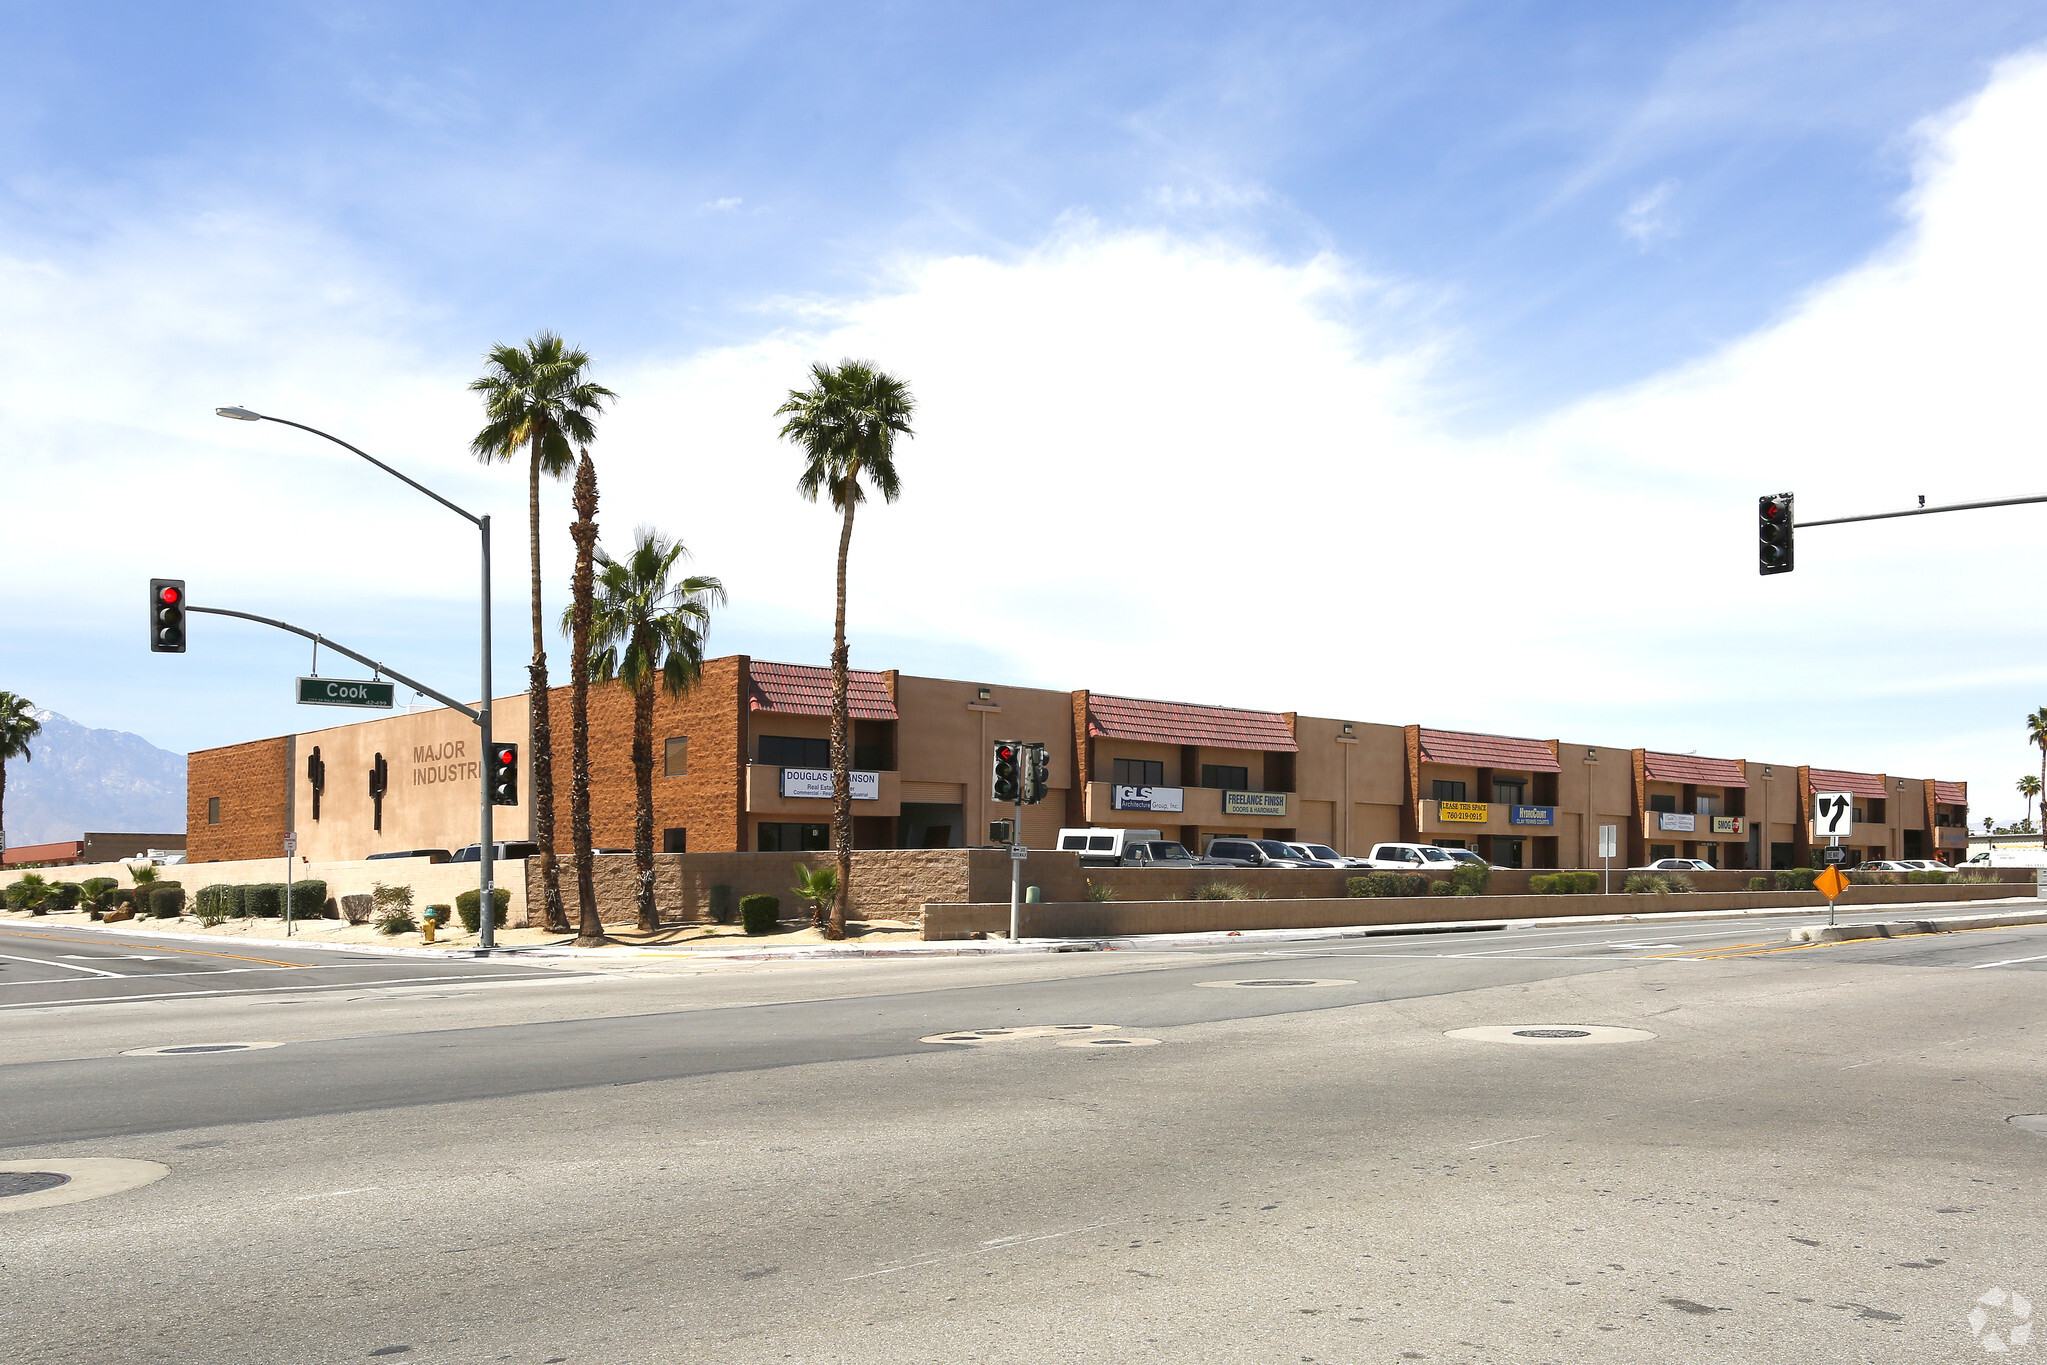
43,853
1168,722
1950,794
1487,751
1861,784
801,690
1690,768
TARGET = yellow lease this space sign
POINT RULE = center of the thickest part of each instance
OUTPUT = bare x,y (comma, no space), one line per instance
1830,883
1469,812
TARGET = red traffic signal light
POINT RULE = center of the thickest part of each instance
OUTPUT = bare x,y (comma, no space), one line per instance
1008,780
167,616
168,593
504,775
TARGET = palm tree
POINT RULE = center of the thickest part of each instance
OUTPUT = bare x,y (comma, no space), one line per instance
18,725
536,397
2029,787
590,925
2036,734
846,423
643,627
817,889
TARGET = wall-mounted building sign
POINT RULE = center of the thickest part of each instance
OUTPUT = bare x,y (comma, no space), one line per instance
1727,824
1531,815
1147,798
816,783
1465,812
1671,823
1271,805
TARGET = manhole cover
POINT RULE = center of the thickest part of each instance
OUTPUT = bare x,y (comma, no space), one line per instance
44,1182
1109,1042
1280,982
2031,1123
29,1182
1004,1035
1552,1035
206,1047
196,1049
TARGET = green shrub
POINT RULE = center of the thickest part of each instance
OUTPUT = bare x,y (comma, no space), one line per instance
1220,891
1377,885
1442,887
309,899
166,899
1565,884
441,914
1759,883
122,898
469,906
1100,891
397,920
1469,879
63,898
263,900
96,892
1646,883
208,907
721,904
28,893
1927,878
758,914
1796,878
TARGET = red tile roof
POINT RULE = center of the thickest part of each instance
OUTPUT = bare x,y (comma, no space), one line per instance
799,689
1836,780
1703,772
1170,722
1950,794
1488,751
43,853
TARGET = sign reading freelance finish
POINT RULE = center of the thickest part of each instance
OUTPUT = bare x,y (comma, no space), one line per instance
1269,804
1147,798
817,783
345,692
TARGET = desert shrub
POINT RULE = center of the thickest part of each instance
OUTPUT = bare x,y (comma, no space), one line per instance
309,898
263,900
1442,887
1796,878
1469,879
63,898
1680,881
356,909
1540,885
758,914
122,899
1646,883
1929,878
209,907
28,893
722,908
396,920
819,889
1759,883
1564,884
1976,878
95,892
469,906
166,899
1376,885
1100,891
1220,891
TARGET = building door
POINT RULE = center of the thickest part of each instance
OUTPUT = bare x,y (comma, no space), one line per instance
1507,851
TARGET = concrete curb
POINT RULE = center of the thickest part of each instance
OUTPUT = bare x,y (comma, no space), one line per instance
1908,928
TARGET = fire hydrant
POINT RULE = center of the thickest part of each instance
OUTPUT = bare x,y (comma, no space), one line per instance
427,923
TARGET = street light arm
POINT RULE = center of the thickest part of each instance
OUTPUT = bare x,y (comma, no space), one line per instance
1924,511
364,659
237,413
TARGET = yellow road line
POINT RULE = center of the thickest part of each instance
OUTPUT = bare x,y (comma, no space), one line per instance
159,948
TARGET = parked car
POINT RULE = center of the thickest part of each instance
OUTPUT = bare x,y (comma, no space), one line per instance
1322,855
1414,858
1103,847
432,855
509,850
1927,865
1892,865
2007,857
1252,853
1161,853
1677,865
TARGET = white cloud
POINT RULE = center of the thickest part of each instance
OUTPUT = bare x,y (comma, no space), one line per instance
1647,217
1157,465
728,204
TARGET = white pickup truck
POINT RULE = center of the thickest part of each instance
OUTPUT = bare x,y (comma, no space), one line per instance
1126,848
1419,858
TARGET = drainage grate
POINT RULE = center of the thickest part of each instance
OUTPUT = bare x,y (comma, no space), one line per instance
1552,1033
1276,982
30,1182
1110,1042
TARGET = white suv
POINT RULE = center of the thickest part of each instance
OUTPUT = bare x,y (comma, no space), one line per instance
1414,858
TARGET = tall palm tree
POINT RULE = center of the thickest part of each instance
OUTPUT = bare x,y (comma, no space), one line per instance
18,725
2036,734
536,397
590,925
846,424
646,629
2029,787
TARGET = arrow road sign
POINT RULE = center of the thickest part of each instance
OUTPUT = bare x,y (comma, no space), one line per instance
1833,815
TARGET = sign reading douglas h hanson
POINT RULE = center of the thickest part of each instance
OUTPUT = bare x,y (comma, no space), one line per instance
346,692
817,783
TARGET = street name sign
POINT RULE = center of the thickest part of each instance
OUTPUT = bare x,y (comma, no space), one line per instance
1833,815
346,692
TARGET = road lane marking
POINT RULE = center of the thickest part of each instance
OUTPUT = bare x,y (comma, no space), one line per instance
1503,1142
61,966
997,1244
197,991
335,1194
2008,962
195,952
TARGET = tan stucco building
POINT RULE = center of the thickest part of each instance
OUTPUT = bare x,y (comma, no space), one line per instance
741,764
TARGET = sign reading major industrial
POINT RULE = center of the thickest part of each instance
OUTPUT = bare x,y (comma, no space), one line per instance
743,763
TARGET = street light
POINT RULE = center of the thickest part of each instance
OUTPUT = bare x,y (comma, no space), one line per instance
487,900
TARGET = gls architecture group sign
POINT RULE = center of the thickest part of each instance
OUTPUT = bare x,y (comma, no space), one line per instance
1147,798
816,783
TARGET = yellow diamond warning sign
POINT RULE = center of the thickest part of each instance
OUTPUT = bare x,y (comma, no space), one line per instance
1830,883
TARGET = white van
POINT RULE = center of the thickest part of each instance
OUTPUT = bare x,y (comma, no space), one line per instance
2007,857
1102,847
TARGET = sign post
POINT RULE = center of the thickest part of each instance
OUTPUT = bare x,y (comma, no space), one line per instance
291,846
1609,846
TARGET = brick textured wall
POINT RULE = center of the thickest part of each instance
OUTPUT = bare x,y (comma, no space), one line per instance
251,782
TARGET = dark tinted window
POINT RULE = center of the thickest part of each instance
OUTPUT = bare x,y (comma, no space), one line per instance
1138,772
1449,791
1226,777
790,751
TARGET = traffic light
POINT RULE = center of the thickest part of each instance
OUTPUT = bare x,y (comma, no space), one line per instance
1773,533
504,774
1037,773
166,616
1008,784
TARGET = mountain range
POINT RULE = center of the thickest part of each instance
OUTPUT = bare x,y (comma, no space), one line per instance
79,779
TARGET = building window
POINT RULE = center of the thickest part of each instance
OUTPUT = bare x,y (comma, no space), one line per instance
1449,791
1510,792
1226,777
674,840
1662,851
788,838
675,757
1878,810
1447,843
1138,772
212,810
788,751
1666,804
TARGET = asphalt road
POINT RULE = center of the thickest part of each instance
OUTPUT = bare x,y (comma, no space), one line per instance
1806,1158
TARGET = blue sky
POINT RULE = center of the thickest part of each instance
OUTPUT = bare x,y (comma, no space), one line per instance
1499,223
